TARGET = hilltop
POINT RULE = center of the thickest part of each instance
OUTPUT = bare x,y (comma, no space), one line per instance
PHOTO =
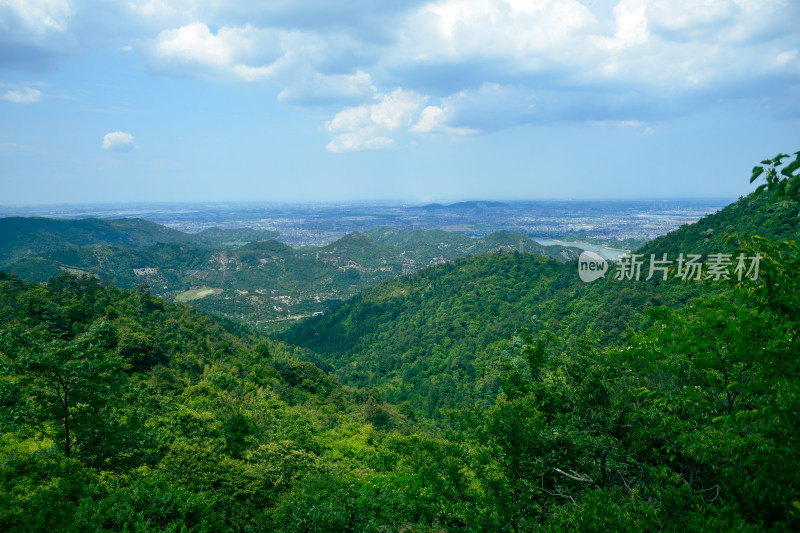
23,237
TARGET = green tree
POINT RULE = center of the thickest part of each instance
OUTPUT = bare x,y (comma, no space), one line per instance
728,370
59,388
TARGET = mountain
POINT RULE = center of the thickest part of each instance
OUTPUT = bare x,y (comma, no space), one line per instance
473,205
753,214
433,245
256,282
426,337
410,335
397,238
515,241
122,411
356,251
120,408
22,237
231,237
273,281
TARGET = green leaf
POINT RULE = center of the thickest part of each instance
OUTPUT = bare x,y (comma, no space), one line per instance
750,460
791,167
793,187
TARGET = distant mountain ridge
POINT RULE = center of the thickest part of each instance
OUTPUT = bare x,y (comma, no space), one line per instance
37,234
26,236
254,282
429,244
472,204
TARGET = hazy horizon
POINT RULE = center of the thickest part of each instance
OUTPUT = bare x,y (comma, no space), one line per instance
365,202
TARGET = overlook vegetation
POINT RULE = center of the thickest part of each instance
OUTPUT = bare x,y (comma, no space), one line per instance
25,237
493,393
257,282
428,338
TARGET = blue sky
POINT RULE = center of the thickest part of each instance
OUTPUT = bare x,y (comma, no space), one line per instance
312,100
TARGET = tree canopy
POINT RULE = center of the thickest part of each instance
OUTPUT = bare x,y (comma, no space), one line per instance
476,396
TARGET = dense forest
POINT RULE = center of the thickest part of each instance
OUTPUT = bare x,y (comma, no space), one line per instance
241,274
492,393
428,338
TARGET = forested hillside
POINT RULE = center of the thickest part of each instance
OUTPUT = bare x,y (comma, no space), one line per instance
28,237
120,411
428,338
258,282
426,246
123,412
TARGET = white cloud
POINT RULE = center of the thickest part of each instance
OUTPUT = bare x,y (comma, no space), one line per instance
487,64
696,18
372,126
643,127
527,33
631,26
14,147
153,8
431,119
240,54
25,95
396,109
40,16
313,87
436,119
195,43
195,49
786,57
35,33
492,106
118,140
498,63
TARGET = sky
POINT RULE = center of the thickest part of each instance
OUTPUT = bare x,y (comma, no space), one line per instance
417,101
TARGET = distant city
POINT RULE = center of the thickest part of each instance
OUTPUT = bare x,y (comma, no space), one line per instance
319,224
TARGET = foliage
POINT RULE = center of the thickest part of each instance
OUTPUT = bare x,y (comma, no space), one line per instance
487,400
253,281
60,389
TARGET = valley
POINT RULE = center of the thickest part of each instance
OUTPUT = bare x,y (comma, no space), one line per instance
476,383
269,266
441,266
